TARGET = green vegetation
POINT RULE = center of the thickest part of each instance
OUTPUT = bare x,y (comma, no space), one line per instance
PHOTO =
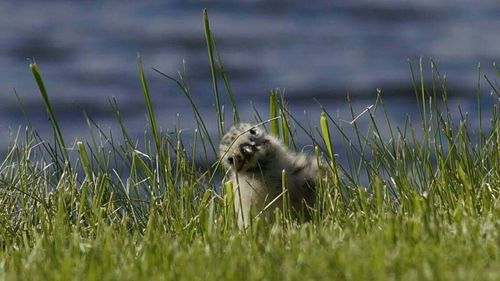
420,202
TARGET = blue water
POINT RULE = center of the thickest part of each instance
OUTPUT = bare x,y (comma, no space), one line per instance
322,49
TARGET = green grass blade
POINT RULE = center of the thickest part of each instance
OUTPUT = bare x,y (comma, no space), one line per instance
35,70
285,129
325,133
273,113
151,116
210,48
84,158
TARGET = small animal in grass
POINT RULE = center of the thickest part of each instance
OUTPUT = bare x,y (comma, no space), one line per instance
255,161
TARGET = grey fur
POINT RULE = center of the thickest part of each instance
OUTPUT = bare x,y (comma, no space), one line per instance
255,161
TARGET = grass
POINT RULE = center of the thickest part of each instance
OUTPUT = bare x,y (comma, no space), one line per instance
419,202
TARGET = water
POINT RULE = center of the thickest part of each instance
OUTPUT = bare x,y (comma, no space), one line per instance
87,53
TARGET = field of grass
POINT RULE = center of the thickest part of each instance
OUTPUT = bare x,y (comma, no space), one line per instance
413,202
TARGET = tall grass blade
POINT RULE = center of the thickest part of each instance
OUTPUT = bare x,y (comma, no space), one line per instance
35,70
84,158
273,113
151,116
325,133
285,128
210,48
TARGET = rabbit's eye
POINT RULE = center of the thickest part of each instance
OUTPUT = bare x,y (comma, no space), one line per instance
252,131
230,160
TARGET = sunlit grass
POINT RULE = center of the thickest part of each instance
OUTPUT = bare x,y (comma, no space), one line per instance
420,202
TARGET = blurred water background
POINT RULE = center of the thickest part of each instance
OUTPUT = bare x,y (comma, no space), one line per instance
312,49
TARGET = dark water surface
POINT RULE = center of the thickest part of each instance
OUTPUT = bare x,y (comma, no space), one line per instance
313,49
